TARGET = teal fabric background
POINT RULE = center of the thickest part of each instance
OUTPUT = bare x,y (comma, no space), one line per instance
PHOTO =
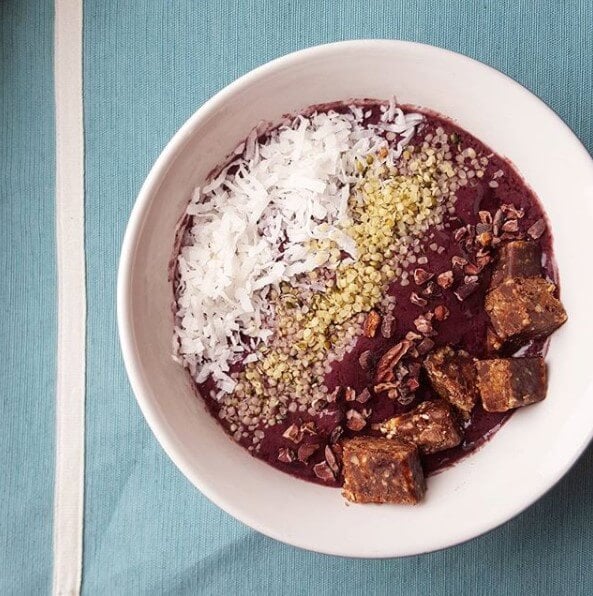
148,65
27,296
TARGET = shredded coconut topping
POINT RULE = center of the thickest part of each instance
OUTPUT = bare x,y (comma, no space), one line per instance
266,218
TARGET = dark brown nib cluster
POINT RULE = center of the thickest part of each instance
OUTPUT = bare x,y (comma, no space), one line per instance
502,256
397,373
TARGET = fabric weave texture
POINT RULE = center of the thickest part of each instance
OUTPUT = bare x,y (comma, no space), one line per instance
148,65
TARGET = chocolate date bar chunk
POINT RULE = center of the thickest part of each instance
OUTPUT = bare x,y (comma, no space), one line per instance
493,343
453,376
378,470
509,383
431,427
524,309
517,259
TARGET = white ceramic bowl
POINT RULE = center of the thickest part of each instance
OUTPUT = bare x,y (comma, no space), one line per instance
524,459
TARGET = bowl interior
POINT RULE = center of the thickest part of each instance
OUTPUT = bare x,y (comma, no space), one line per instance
524,459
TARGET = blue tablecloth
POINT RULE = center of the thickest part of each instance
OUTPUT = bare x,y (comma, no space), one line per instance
148,65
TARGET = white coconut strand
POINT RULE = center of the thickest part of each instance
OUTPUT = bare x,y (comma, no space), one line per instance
253,229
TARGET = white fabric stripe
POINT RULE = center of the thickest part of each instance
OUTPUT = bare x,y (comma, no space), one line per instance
70,388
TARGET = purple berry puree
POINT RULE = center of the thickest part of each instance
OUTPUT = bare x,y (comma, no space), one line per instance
465,328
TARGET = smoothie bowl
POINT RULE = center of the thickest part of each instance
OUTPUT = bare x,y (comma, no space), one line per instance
341,287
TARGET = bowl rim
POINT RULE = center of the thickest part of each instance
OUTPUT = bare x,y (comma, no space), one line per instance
134,229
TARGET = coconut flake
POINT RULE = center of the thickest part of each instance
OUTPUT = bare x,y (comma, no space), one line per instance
252,229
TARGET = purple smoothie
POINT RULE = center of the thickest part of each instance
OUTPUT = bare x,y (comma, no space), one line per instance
464,329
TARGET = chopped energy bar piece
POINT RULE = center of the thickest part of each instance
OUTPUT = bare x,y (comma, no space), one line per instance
453,377
378,470
508,383
431,427
517,259
523,309
493,342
